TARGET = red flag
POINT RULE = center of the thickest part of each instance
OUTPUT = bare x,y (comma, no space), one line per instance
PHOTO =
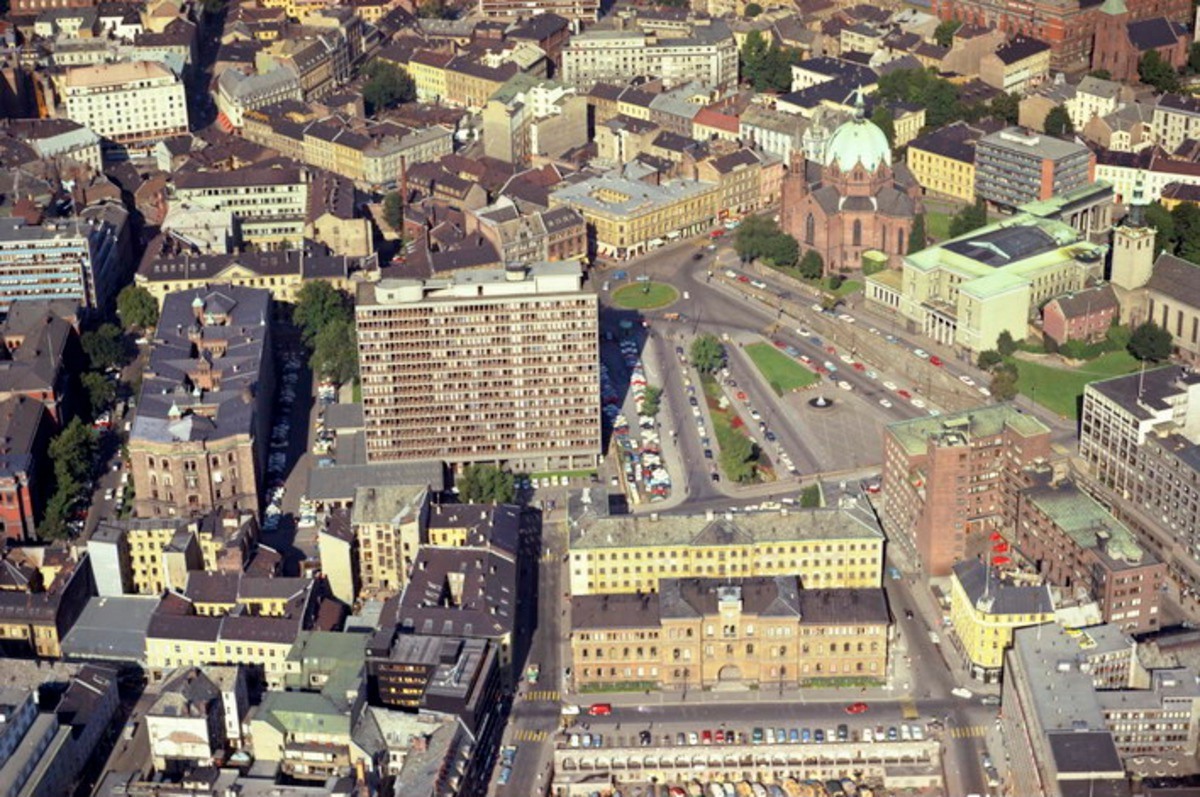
1000,547
1001,560
997,536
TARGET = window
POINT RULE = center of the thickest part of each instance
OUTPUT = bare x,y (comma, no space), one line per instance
857,233
810,229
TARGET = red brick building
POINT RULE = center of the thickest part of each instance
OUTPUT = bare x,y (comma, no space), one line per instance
26,429
1068,26
1084,315
946,478
855,202
1121,41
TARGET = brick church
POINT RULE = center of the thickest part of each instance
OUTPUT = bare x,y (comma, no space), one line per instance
854,202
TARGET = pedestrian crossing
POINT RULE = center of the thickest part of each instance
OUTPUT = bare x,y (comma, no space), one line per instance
968,731
530,735
542,695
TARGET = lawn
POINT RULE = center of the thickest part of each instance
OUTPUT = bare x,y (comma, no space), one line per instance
1059,389
937,225
726,424
782,373
644,295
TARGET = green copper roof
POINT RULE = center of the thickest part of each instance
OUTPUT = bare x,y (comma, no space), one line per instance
914,435
1087,522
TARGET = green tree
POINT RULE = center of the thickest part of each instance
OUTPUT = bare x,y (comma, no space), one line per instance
1186,218
752,234
57,513
105,347
989,359
485,484
335,352
1006,107
1004,384
923,87
317,304
1193,64
707,354
738,458
137,308
753,10
1151,342
781,250
651,401
100,392
766,65
1156,72
387,86
1058,122
753,58
812,265
883,118
968,219
1166,238
943,34
916,238
1005,344
435,9
393,210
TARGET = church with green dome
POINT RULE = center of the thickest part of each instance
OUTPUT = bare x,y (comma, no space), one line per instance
853,200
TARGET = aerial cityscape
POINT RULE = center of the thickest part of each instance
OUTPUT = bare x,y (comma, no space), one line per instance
599,398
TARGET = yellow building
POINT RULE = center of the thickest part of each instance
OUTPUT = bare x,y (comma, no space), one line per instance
427,68
828,548
943,161
739,175
907,124
712,632
387,523
628,218
985,609
44,591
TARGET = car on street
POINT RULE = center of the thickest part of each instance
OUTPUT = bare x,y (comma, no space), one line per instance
924,355
904,394
857,708
708,454
918,403
889,385
600,709
966,380
505,775
706,737
990,700
698,256
887,405
935,360
681,738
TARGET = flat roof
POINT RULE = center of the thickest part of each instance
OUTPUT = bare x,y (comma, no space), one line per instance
111,628
914,435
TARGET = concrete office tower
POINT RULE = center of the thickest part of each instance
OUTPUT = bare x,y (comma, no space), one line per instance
482,366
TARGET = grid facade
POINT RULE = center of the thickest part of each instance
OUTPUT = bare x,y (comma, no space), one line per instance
1008,172
482,378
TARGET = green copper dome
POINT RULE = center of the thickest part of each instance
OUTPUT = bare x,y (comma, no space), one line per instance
858,141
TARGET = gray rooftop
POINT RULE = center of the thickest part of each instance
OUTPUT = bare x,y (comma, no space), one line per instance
986,587
340,482
111,629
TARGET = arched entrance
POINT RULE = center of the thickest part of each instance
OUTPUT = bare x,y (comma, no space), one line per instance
730,673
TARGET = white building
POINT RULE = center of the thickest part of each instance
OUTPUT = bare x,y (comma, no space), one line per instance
708,54
133,103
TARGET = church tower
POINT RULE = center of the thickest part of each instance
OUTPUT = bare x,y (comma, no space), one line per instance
1133,246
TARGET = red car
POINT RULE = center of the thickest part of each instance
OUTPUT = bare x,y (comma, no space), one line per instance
779,344
935,360
720,737
859,367
716,233
831,349
743,278
706,737
600,709
856,708
904,394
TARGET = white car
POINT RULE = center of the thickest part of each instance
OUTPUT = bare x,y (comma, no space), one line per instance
849,319
847,359
984,391
966,380
889,385
918,403
887,405
844,385
924,355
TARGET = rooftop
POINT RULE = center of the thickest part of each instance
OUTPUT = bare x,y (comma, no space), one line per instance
1026,144
961,427
613,194
991,593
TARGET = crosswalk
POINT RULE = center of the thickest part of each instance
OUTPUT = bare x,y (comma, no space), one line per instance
545,695
968,731
530,735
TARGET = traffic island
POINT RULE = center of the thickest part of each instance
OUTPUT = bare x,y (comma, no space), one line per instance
644,296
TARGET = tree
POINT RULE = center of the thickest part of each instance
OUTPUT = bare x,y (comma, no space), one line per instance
812,265
707,354
100,392
753,58
1156,72
105,347
651,401
387,86
923,87
1186,218
318,304
738,458
989,359
1193,64
916,238
1004,384
435,9
766,66
752,234
1166,239
883,118
1006,107
393,210
58,511
943,34
968,219
781,250
335,352
1058,122
753,10
137,308
1005,344
1151,342
486,484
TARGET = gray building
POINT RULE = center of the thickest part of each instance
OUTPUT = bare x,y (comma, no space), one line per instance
1013,167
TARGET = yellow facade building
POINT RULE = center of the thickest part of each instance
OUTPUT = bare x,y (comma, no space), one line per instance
943,162
985,609
828,548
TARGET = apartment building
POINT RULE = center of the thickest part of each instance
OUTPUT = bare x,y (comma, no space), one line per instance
482,366
1019,66
387,524
530,237
967,291
585,11
628,217
1173,302
48,591
1139,435
27,429
834,548
712,632
952,476
529,117
986,606
943,161
198,440
82,259
1176,119
772,132
130,104
268,201
706,52
1013,167
150,556
740,177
